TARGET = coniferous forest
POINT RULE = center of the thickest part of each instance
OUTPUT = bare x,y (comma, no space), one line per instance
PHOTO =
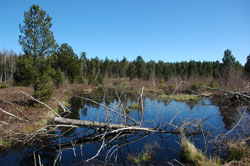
64,64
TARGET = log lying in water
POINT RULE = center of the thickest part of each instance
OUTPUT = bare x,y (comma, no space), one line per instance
87,123
116,128
119,127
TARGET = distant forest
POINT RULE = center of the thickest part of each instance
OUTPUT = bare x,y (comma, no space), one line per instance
17,69
46,65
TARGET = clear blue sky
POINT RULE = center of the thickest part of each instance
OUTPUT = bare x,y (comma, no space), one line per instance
168,30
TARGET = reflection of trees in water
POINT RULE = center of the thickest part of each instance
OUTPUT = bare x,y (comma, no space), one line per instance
99,95
229,115
191,104
248,109
84,111
47,155
229,110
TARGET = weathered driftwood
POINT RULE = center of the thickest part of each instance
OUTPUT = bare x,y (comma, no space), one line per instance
119,127
227,91
87,123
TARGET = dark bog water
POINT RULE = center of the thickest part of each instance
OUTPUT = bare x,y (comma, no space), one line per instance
125,148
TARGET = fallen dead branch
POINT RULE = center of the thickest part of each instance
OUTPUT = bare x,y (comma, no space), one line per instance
4,122
40,103
65,109
40,135
86,123
224,135
10,114
16,109
118,127
227,91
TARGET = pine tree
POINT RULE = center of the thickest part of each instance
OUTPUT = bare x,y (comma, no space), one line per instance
228,60
131,70
140,67
24,71
68,62
38,42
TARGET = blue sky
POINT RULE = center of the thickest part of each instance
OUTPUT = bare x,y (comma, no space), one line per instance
168,30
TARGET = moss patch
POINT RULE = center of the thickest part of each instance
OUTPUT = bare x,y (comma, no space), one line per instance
134,107
179,97
3,85
5,144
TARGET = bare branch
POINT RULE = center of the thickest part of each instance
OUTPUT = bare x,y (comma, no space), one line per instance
40,103
16,108
34,155
65,109
10,114
4,122
236,123
227,91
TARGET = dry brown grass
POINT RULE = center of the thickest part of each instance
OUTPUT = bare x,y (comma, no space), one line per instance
238,153
195,157
33,116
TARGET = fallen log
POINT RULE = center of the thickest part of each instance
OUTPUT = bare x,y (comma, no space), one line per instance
87,123
120,127
227,91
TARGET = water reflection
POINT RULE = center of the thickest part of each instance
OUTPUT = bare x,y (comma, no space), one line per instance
229,109
81,143
46,157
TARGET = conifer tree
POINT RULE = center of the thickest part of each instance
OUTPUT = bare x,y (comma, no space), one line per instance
68,62
228,60
38,42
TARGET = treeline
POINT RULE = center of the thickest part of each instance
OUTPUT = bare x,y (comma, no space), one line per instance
45,65
65,64
96,69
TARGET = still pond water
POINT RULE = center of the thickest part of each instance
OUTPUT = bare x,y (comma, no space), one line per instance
126,148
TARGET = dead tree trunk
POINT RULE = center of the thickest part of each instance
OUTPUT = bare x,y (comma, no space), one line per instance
87,123
120,127
227,91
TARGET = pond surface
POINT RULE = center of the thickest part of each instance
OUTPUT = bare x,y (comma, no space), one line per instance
75,146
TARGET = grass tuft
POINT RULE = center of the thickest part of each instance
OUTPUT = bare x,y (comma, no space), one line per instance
5,144
179,97
192,156
238,153
134,107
